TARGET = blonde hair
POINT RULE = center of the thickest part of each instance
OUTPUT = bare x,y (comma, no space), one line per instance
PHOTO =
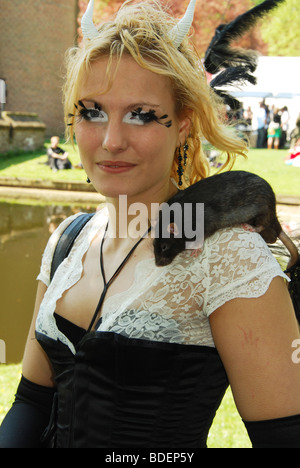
142,30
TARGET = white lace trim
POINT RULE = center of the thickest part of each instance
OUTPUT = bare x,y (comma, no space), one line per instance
66,275
171,303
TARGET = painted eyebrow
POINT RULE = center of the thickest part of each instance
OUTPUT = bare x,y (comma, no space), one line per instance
141,104
127,108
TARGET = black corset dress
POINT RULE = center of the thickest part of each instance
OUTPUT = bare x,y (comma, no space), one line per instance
149,376
119,392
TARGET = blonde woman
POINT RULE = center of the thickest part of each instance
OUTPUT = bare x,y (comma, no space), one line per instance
125,353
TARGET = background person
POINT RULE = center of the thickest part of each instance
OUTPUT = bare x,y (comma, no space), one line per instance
274,130
57,157
261,118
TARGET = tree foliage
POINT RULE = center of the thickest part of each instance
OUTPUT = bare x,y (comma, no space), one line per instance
208,15
282,32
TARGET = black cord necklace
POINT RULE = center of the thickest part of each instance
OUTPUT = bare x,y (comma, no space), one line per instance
107,284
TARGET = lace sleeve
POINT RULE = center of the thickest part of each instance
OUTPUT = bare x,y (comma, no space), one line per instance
239,264
44,274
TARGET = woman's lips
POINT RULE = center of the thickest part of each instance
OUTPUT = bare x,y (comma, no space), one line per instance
115,167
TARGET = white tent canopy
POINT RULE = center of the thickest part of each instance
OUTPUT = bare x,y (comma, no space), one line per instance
276,76
278,83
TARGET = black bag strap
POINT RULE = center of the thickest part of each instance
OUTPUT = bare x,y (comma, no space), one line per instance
67,239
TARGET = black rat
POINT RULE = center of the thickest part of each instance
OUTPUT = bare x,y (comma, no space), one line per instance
230,198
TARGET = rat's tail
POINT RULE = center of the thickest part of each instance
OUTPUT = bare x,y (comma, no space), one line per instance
293,271
293,250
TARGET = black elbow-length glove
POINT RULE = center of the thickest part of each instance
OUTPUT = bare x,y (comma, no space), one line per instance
28,417
275,433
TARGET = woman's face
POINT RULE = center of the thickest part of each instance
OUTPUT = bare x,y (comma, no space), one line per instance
127,137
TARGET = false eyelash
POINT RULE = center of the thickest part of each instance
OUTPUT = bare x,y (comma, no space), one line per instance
81,104
150,116
82,112
96,106
70,116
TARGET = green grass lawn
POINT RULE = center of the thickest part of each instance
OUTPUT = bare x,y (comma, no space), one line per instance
269,164
32,165
9,378
227,430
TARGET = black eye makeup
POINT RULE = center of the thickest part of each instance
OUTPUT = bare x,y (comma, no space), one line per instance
92,114
135,117
150,116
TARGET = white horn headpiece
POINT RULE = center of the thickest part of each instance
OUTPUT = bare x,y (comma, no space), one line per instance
89,30
177,34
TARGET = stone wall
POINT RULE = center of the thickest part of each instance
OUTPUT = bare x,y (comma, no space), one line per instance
21,131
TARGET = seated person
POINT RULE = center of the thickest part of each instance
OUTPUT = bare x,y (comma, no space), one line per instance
57,157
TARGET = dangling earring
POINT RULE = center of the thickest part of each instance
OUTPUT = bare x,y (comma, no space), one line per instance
185,150
180,169
88,180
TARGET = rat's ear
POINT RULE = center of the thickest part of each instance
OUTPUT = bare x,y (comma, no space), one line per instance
173,229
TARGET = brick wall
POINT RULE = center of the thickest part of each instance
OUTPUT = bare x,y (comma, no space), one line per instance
34,35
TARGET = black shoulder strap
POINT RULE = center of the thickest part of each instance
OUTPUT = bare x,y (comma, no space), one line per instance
67,239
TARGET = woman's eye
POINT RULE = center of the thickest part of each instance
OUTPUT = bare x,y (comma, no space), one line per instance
94,115
133,119
138,117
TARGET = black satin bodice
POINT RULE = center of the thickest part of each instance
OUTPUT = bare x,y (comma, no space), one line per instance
117,392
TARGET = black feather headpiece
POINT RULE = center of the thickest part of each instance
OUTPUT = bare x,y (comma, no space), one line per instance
231,76
236,65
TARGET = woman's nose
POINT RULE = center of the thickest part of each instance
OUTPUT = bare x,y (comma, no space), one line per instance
115,140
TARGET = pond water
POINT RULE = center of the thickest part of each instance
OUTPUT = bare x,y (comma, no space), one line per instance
24,232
